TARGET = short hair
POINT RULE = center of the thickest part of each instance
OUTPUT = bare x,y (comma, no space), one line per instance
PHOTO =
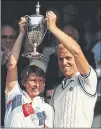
31,69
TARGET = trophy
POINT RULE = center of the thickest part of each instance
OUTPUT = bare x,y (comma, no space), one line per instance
35,32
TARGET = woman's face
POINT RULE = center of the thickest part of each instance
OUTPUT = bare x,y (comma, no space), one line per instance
34,85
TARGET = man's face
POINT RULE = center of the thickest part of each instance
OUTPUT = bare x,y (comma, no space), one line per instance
66,61
34,85
8,36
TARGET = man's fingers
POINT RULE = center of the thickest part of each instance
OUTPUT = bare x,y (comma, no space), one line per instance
50,15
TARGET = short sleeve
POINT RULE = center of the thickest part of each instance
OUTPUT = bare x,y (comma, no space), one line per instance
16,90
89,82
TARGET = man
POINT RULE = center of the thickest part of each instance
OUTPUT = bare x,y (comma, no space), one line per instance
74,99
53,74
8,37
26,109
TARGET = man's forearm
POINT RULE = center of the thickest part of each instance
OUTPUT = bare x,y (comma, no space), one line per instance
65,39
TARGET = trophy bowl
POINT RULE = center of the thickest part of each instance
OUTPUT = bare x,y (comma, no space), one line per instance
35,32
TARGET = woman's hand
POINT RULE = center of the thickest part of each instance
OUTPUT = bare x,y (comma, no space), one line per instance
22,24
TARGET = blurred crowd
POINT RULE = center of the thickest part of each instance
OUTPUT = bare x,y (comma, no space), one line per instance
85,30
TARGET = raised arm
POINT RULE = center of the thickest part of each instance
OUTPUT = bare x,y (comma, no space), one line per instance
12,75
68,42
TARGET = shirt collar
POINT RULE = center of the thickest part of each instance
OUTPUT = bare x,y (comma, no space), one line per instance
67,80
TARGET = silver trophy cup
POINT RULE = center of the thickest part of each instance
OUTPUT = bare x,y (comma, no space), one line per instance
35,32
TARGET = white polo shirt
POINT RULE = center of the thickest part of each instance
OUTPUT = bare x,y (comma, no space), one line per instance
74,100
21,112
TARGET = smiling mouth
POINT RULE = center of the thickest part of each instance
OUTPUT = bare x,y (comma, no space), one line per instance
65,68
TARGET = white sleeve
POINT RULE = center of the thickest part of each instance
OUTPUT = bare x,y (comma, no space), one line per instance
16,90
49,116
89,82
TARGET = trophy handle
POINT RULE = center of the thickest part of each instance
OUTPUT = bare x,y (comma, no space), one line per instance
27,19
45,31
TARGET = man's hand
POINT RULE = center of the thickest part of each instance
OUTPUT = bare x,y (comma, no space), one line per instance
51,19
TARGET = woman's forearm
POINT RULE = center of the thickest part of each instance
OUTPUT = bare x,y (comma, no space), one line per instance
16,49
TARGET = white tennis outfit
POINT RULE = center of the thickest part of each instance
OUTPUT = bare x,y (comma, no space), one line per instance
74,101
21,112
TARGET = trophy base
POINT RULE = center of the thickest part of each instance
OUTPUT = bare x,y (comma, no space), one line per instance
34,55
